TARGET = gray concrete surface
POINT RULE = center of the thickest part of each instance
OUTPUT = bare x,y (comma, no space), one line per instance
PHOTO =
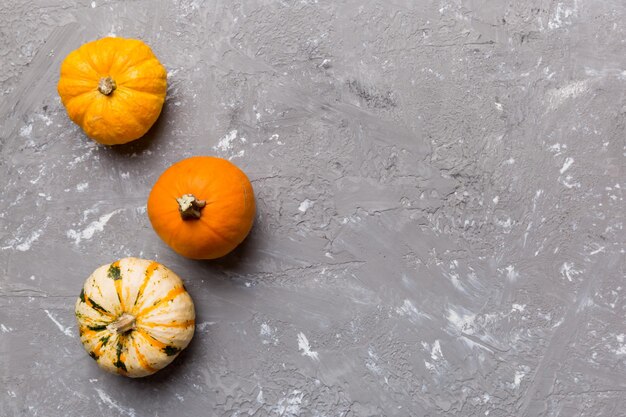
440,208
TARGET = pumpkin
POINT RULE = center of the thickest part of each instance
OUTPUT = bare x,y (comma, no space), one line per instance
113,88
134,316
202,207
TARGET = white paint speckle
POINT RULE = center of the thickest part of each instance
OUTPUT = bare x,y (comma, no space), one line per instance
82,186
268,334
567,164
303,345
621,350
557,148
536,198
371,362
200,327
569,182
93,4
305,205
259,396
237,155
517,379
5,329
586,302
511,273
226,142
558,96
66,330
39,176
561,16
45,119
266,330
172,72
461,319
596,251
518,307
568,271
25,131
95,226
507,224
288,406
85,156
27,243
130,412
435,352
409,310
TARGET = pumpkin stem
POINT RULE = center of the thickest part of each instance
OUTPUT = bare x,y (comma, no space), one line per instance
124,323
190,207
106,85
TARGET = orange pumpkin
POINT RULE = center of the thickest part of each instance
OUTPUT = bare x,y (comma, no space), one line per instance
202,207
113,88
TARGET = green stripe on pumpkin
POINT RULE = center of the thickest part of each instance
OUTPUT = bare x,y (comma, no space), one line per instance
170,350
118,363
105,339
114,272
97,306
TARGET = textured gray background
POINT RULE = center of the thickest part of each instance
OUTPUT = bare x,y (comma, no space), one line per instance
440,208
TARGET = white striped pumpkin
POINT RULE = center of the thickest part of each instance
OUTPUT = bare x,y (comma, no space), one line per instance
134,316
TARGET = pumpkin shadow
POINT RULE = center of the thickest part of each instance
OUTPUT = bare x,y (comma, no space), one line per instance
152,136
241,260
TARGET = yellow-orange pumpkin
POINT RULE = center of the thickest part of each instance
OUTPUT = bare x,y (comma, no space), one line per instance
113,88
202,207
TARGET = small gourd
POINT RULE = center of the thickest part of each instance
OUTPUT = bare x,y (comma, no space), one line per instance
202,207
134,316
113,88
